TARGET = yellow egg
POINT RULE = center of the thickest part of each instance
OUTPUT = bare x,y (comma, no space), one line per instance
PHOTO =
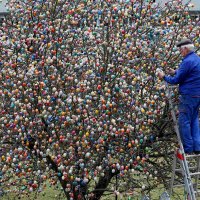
3,158
142,110
49,45
87,134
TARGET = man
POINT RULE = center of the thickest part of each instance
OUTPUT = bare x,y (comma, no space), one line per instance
188,78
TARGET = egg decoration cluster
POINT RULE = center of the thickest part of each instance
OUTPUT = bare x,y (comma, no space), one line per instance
78,94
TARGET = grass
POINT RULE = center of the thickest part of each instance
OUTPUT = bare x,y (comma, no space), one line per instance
178,194
51,193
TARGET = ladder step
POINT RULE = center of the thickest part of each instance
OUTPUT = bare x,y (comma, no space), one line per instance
198,191
195,173
193,156
180,170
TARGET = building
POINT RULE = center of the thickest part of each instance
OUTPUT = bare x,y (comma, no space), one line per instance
3,10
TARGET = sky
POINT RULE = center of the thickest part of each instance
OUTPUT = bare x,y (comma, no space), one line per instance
2,6
195,2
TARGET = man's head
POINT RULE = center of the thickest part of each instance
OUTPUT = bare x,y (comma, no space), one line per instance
185,46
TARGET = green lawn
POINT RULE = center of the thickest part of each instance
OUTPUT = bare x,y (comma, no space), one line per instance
50,193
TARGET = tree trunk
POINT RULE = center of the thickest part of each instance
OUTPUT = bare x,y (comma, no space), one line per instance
55,168
102,185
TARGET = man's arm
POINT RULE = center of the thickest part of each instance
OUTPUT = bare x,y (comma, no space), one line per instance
180,74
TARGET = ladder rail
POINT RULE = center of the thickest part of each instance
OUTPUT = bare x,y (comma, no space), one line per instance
184,164
173,174
197,177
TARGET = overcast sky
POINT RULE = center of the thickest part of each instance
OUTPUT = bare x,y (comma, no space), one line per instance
2,6
195,2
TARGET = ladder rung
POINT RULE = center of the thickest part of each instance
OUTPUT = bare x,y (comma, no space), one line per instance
193,156
180,170
195,173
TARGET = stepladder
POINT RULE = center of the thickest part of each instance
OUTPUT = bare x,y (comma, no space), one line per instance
186,165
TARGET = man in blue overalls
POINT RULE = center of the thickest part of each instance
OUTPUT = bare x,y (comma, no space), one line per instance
188,78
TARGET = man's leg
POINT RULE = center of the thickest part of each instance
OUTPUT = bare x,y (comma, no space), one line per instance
195,126
184,122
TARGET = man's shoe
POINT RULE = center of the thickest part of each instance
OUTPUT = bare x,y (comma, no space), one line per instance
196,152
189,153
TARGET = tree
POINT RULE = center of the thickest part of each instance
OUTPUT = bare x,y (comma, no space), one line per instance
80,101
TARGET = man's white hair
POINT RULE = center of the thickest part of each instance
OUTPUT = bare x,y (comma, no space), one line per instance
190,47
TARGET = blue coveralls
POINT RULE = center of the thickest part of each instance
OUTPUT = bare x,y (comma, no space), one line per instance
188,78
